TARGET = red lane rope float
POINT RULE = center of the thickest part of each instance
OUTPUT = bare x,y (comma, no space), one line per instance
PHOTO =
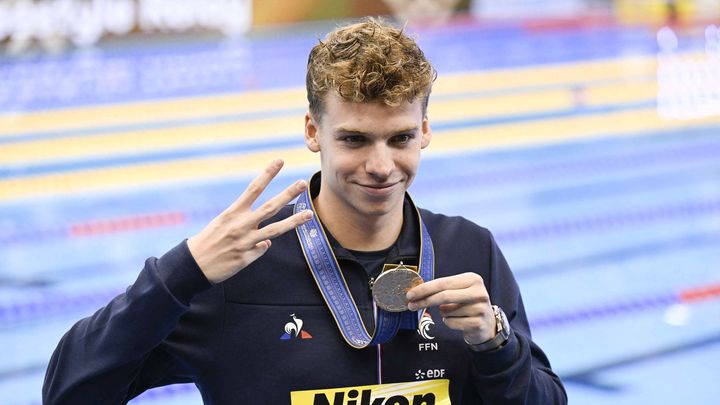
702,293
127,224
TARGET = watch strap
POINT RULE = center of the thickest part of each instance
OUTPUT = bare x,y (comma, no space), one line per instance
501,336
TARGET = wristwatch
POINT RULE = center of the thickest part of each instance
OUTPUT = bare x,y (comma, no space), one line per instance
502,335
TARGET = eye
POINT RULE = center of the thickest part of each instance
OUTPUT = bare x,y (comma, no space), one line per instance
353,140
402,138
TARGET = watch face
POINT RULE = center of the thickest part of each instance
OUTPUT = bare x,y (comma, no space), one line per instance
503,324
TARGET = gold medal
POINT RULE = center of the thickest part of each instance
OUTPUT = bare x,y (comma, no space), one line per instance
391,286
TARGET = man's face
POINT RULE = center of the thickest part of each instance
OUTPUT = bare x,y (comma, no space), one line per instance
369,153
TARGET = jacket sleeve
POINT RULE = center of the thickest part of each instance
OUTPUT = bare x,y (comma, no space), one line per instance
123,349
518,372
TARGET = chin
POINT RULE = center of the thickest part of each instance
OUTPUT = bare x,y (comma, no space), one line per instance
378,208
374,213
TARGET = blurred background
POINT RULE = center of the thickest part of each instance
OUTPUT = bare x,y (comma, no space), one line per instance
583,133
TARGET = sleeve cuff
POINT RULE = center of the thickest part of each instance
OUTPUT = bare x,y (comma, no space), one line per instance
181,275
495,361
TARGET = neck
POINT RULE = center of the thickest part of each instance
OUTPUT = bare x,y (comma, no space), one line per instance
356,231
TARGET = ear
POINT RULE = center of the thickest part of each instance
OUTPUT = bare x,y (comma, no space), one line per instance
311,134
426,133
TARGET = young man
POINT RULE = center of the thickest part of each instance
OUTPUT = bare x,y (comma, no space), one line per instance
315,316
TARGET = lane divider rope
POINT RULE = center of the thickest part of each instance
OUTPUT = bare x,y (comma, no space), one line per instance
622,307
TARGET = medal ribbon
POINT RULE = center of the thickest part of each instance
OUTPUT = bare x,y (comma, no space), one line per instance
326,271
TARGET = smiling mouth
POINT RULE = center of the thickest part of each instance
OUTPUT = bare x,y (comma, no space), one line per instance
379,190
379,186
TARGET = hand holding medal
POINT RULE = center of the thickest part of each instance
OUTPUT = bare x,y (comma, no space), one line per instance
463,301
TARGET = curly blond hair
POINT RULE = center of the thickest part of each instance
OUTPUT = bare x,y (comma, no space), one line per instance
368,61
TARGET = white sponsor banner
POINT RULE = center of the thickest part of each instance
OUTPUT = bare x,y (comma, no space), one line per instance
688,83
85,22
527,8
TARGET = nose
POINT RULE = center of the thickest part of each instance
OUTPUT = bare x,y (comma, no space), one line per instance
379,163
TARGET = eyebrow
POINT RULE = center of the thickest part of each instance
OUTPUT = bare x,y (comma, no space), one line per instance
349,131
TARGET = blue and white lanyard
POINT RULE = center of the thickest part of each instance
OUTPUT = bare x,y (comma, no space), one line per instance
334,289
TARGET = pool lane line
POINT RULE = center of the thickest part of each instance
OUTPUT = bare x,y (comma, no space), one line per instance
610,220
618,161
19,171
53,304
148,125
626,306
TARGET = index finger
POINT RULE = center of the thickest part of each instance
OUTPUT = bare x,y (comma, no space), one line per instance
456,282
256,187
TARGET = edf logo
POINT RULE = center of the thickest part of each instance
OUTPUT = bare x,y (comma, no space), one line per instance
430,373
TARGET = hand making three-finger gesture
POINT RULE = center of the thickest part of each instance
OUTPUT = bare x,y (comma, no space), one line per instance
232,240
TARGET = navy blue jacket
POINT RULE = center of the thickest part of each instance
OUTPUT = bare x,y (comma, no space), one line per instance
232,342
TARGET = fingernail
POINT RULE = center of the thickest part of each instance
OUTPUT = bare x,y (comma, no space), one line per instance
300,184
307,215
410,296
412,306
277,162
